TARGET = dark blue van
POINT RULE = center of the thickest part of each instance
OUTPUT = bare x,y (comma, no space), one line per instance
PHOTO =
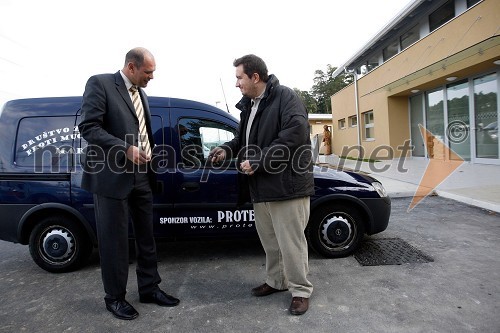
42,204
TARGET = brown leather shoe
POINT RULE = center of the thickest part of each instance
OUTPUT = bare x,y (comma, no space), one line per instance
264,290
299,305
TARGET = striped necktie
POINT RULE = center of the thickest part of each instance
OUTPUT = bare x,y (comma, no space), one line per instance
139,110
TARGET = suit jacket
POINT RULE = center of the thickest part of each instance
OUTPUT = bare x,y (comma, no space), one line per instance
110,126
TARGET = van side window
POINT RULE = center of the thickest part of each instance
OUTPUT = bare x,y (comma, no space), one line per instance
45,143
198,137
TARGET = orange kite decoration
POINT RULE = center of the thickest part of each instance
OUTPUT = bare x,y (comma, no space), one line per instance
443,162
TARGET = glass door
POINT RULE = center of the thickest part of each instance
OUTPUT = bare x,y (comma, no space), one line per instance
458,128
417,118
486,117
434,115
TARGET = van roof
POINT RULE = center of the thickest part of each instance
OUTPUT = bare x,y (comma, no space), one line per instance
61,105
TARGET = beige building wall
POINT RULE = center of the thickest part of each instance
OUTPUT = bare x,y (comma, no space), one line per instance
376,102
343,107
464,46
399,124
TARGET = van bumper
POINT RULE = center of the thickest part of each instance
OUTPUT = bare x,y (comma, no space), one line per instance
380,209
10,215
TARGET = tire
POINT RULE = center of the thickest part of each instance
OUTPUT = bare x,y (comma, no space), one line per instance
58,244
335,230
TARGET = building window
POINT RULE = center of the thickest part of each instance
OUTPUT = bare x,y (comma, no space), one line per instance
442,15
410,37
391,50
372,63
362,70
369,133
342,123
353,121
471,3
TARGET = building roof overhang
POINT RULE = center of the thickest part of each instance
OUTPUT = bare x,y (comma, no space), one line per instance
485,49
320,116
381,35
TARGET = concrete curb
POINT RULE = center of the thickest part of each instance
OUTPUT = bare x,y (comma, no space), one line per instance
470,201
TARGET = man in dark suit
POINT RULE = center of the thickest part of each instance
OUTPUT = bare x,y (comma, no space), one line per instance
117,170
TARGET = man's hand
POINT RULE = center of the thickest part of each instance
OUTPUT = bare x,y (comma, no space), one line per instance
137,156
217,155
246,167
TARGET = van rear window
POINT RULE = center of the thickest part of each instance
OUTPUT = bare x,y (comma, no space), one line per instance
45,143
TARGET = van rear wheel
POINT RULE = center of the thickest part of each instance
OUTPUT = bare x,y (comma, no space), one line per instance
58,244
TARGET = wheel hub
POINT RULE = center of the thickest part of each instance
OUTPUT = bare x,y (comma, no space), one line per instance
336,230
58,244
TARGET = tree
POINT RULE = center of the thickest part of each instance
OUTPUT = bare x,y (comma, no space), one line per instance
317,100
309,101
325,85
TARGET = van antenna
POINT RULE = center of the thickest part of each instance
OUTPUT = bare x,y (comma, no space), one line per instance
223,93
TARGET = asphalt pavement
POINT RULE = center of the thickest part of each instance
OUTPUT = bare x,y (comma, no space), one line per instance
457,290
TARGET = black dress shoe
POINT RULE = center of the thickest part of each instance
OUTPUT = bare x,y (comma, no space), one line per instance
159,297
121,309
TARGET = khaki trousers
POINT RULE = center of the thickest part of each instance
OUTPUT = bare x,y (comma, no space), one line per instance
281,225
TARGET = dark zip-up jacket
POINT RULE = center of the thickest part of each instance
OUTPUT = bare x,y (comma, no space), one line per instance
279,147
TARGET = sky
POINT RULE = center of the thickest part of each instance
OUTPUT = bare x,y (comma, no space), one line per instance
51,47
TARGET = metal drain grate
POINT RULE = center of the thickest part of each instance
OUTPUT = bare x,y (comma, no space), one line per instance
389,251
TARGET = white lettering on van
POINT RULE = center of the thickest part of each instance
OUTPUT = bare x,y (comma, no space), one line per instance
236,216
47,138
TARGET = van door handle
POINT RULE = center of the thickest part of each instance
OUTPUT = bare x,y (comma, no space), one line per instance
190,186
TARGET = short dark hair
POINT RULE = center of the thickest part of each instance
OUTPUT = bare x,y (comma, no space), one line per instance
252,64
136,56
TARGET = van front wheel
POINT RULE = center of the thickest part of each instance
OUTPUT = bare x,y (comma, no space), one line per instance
58,245
335,230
